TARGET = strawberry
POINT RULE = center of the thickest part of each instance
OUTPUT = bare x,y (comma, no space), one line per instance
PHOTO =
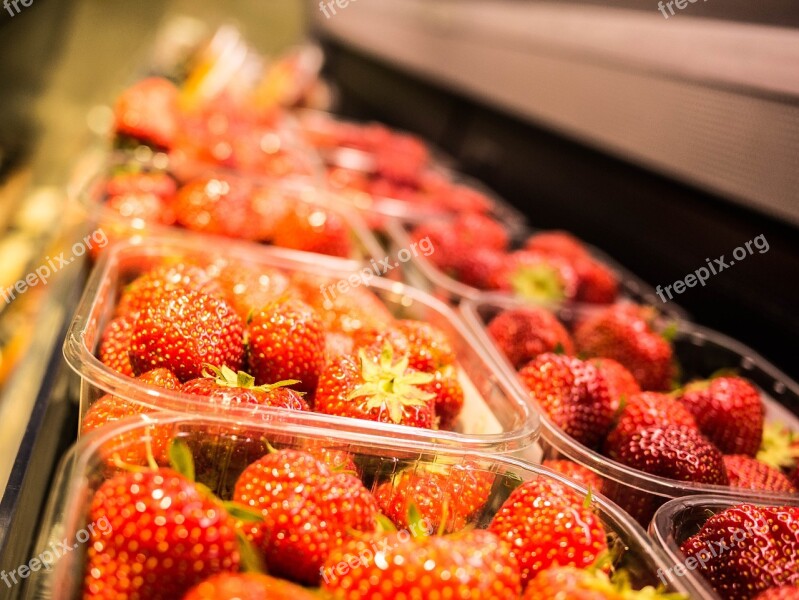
249,287
524,333
559,583
573,395
647,409
147,288
148,111
287,341
144,207
333,459
446,497
473,564
557,243
136,182
223,387
166,535
598,284
184,329
477,267
784,592
749,473
218,204
729,413
480,231
427,347
575,472
537,277
549,524
672,451
621,383
448,394
442,237
247,586
376,388
624,332
115,343
747,549
312,228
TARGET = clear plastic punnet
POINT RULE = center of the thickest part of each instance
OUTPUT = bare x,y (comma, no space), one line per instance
228,445
495,416
701,352
681,518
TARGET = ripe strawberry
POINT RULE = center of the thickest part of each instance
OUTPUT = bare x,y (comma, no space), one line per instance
729,412
476,267
557,243
559,583
427,347
115,343
249,287
575,472
376,389
148,111
184,329
442,237
148,287
524,333
537,277
314,229
598,284
621,383
471,563
223,387
145,207
785,592
335,460
247,586
287,341
747,549
672,451
749,473
448,394
135,182
573,395
164,536
548,524
624,333
644,410
476,230
446,497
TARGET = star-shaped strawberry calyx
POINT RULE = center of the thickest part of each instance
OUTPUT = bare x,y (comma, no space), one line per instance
224,376
391,385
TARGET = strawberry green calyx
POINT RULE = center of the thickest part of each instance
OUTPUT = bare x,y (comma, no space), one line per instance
539,283
224,376
779,448
389,384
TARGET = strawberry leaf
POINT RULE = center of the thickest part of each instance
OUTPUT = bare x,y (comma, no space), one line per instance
251,561
242,513
180,459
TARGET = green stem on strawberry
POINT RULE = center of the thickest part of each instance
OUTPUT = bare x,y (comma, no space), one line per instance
779,448
538,283
224,376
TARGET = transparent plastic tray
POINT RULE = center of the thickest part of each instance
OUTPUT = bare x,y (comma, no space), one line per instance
679,519
88,188
495,417
378,458
700,352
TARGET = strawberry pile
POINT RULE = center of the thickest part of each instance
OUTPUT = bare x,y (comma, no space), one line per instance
241,337
749,552
611,386
313,523
550,267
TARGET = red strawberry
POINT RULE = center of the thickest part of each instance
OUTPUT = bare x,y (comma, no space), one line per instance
427,347
573,395
312,228
218,205
184,329
115,343
747,549
135,182
472,563
621,383
560,583
477,267
644,410
537,277
148,287
162,536
729,412
148,111
673,451
480,231
548,524
223,387
247,586
785,592
557,243
249,287
335,460
524,333
445,496
598,284
575,472
624,332
376,389
448,396
287,341
147,208
749,473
